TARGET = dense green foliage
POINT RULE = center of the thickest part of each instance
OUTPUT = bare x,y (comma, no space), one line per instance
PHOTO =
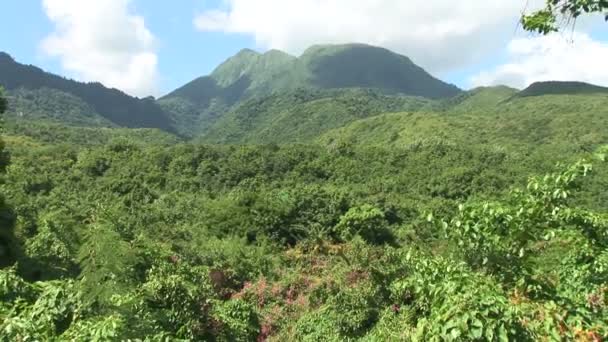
6,215
125,239
2,103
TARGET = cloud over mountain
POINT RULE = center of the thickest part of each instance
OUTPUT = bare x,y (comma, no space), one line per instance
103,41
440,35
555,57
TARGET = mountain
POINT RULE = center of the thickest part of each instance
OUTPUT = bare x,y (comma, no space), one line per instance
215,107
36,94
250,75
364,66
331,93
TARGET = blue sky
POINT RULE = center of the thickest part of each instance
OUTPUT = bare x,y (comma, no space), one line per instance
178,41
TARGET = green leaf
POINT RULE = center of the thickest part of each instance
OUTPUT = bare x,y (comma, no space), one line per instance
503,336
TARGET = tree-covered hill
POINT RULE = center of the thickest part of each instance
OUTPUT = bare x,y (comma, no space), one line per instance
495,115
302,115
563,88
43,95
490,116
252,75
475,100
53,106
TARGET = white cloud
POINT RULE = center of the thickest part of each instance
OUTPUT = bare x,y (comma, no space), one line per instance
440,35
557,57
103,41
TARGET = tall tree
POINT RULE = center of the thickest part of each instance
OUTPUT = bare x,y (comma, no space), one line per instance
2,102
8,251
3,154
561,12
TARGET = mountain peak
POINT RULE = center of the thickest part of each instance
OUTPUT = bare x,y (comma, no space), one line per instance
329,48
247,52
249,65
278,53
358,65
250,74
235,67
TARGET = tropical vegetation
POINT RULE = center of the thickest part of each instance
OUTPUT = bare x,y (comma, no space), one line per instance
330,211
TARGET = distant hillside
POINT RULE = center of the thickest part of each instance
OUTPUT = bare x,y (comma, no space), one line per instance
252,75
568,123
478,99
42,95
302,115
55,106
561,88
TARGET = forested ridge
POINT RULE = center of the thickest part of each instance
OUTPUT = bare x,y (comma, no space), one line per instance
207,103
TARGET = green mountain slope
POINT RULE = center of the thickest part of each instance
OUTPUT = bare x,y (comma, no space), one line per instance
564,122
51,105
497,115
302,115
195,106
251,75
262,73
79,101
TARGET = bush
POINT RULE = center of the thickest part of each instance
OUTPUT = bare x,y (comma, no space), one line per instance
366,221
